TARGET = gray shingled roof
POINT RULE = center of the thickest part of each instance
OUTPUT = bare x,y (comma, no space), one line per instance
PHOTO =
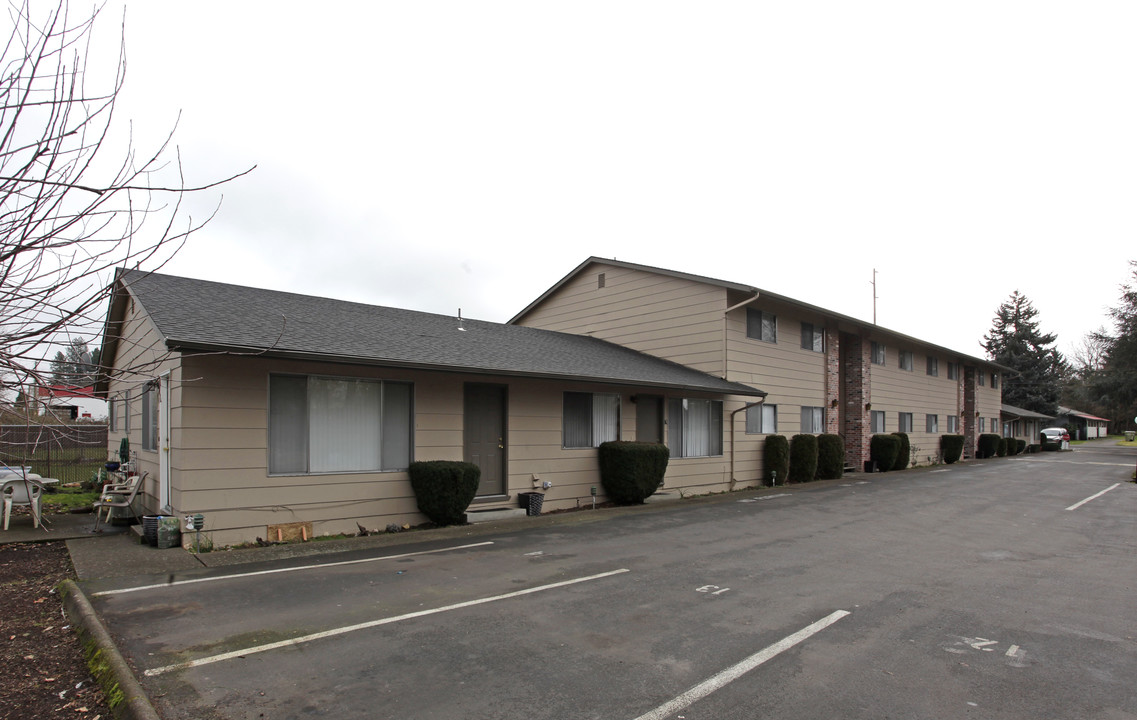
200,315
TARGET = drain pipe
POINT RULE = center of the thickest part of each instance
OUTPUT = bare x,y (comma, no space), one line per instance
747,406
725,314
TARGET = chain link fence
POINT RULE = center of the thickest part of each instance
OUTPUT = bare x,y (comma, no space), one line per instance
69,453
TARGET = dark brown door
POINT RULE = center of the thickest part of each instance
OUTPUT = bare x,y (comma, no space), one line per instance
649,418
485,435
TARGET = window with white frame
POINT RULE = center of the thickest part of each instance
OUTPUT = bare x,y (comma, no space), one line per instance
694,427
876,418
761,325
590,419
812,420
150,417
981,375
322,424
933,366
812,337
953,424
982,425
994,381
933,423
904,421
953,371
876,353
762,419
907,360
994,424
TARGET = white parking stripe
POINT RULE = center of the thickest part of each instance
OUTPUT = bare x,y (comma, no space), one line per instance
284,570
1077,505
370,624
734,672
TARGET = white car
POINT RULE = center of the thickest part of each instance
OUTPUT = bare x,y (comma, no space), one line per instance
1056,435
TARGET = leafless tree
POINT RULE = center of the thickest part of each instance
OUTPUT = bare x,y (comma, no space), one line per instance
75,202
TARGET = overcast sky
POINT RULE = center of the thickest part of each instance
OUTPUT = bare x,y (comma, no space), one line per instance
445,155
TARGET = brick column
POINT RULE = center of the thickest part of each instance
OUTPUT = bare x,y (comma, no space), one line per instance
832,381
969,430
858,429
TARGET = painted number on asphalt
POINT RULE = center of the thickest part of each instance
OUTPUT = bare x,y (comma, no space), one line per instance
711,589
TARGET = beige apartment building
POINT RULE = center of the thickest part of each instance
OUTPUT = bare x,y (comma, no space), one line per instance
822,371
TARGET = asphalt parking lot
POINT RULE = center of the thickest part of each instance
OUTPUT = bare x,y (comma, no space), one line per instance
995,589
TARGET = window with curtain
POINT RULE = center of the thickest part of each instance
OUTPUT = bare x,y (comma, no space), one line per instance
932,423
953,424
150,417
589,419
933,366
877,420
812,420
904,422
876,353
907,360
812,337
762,419
694,427
327,425
761,325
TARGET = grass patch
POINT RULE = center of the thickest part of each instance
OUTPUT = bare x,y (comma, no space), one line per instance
66,499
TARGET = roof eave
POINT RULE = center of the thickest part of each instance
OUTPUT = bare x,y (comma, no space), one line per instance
200,347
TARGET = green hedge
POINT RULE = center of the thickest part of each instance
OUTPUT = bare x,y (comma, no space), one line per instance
1020,446
952,448
830,457
803,458
904,454
777,459
631,471
1001,449
883,450
444,489
988,445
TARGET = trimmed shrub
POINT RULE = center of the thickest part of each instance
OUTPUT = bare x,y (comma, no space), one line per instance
1020,446
803,458
777,459
883,450
830,457
952,448
631,471
1001,450
444,489
904,454
988,445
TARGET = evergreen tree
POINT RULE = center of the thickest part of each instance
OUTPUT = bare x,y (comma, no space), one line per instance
1016,341
75,365
1115,385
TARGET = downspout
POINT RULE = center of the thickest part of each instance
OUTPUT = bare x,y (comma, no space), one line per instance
724,329
747,406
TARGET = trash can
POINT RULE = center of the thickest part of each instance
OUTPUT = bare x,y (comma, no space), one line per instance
1129,435
532,502
150,529
169,533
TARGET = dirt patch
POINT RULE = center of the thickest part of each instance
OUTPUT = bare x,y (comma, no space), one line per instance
45,675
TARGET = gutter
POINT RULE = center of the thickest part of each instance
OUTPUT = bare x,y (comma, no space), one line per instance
733,479
725,314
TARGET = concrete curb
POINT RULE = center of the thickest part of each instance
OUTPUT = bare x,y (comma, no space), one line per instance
123,692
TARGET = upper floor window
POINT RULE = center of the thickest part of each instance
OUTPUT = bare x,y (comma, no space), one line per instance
325,424
589,419
953,371
876,351
762,419
812,337
994,381
907,360
933,366
694,427
981,375
812,419
761,325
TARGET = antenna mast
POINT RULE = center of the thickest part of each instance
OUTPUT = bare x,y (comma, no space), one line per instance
874,296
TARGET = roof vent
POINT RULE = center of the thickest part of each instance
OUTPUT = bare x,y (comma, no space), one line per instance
460,328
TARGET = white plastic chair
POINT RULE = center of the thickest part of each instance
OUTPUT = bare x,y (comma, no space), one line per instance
119,496
22,492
